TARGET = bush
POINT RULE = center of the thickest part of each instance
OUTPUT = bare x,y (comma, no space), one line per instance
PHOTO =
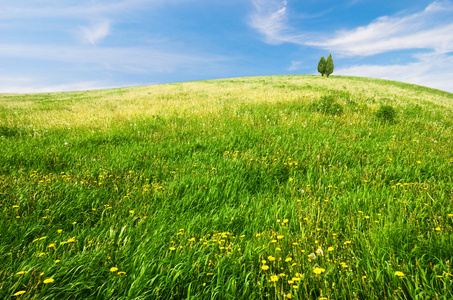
336,109
386,113
327,105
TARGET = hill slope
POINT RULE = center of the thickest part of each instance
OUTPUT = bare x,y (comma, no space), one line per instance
244,188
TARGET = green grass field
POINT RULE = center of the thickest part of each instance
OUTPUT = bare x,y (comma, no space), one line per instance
245,188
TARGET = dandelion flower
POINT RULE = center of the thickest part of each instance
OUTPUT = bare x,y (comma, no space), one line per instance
121,273
279,237
16,206
172,248
191,240
271,258
399,274
285,221
73,223
60,230
438,228
312,256
57,261
320,252
19,293
274,278
318,270
113,269
48,280
288,259
347,242
330,249
288,296
21,272
131,211
265,267
209,274
51,246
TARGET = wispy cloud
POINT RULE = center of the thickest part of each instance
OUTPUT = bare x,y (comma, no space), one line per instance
270,19
431,69
96,32
295,65
421,30
63,9
99,60
132,59
35,86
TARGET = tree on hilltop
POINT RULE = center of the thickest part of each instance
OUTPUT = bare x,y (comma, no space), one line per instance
329,66
322,66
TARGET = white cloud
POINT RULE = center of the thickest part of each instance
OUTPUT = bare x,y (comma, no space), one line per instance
40,87
429,29
132,59
270,19
26,9
144,60
96,32
295,65
432,70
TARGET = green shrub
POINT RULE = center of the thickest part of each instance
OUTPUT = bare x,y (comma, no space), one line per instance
327,105
386,113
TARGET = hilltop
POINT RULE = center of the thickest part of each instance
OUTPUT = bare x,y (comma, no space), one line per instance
265,187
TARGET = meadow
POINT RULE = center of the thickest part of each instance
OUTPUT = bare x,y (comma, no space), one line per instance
243,188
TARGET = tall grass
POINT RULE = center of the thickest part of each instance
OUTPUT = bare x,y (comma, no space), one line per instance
227,189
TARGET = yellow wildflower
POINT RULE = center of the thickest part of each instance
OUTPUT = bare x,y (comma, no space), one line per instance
318,270
274,278
265,267
399,274
19,293
288,259
330,249
113,269
48,280
21,272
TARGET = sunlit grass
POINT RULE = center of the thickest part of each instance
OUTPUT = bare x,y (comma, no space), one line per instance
227,189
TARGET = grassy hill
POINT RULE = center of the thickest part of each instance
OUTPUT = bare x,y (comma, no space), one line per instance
247,188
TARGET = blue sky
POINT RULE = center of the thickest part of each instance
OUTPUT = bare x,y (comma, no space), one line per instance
54,45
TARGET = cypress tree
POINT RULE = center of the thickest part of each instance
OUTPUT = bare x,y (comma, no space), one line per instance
329,65
322,66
